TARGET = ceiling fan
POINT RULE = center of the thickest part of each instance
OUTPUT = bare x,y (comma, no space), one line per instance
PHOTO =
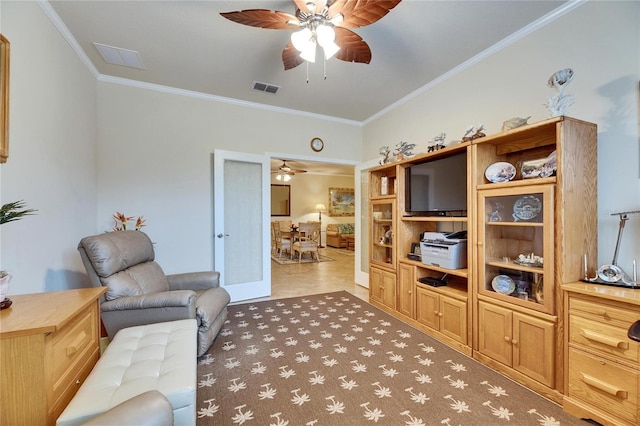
323,22
285,171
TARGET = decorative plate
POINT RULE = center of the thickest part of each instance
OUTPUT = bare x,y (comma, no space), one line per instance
503,284
527,207
500,172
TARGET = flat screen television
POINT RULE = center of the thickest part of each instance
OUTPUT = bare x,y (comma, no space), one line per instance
437,187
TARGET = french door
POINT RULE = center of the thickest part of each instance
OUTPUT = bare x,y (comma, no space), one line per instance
241,218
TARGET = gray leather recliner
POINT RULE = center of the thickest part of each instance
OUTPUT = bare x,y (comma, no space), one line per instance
140,293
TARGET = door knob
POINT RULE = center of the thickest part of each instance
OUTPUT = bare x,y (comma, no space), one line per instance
222,235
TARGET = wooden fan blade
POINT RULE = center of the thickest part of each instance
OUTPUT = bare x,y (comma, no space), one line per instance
358,13
291,57
352,47
263,18
301,5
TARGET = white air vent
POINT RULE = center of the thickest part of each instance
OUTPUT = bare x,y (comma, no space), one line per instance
265,87
118,56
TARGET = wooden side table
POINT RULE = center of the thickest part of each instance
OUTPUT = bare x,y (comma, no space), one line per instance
49,342
351,242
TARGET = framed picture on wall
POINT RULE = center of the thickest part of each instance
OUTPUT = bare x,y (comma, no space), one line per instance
280,200
4,99
342,202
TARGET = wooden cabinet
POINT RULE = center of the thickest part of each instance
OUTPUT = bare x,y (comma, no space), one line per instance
406,289
603,364
514,320
444,309
383,244
520,341
382,287
551,219
49,342
382,237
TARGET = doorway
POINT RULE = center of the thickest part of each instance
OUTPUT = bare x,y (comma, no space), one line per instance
309,186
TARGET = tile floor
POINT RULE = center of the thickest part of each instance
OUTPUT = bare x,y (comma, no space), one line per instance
314,278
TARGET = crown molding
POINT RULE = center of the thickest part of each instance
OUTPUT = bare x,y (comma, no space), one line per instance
502,44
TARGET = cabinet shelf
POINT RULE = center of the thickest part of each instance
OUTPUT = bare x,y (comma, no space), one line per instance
382,220
519,223
455,291
463,273
462,219
516,267
384,197
517,183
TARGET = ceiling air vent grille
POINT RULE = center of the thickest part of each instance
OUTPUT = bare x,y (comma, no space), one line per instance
265,87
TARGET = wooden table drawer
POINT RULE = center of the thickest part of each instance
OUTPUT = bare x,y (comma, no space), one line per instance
604,338
603,384
68,388
72,346
603,312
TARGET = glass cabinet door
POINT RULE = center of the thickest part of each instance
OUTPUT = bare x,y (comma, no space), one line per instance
515,246
382,233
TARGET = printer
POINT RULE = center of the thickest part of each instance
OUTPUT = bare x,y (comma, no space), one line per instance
445,250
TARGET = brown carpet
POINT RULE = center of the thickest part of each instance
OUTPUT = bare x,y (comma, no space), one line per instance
333,359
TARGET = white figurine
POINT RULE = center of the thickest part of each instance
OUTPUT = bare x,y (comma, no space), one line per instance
560,103
436,143
403,150
384,151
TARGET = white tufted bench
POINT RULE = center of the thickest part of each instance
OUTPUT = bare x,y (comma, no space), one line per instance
158,356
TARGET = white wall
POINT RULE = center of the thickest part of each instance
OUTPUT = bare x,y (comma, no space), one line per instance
601,42
154,159
51,155
153,154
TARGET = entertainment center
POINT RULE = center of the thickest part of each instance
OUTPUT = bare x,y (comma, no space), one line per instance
526,237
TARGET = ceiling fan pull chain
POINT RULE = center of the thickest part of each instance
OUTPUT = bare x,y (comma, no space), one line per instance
307,71
325,68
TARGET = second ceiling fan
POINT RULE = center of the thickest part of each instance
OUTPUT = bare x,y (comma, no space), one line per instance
284,172
323,22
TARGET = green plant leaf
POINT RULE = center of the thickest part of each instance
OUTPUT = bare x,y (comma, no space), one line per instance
14,211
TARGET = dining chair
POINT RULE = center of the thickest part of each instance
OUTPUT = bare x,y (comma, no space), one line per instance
307,241
282,243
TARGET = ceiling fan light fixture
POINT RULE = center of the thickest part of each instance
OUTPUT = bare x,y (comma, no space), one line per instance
301,39
337,19
283,177
309,53
326,36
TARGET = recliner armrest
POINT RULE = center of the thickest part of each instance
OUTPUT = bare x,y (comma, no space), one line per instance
165,299
194,280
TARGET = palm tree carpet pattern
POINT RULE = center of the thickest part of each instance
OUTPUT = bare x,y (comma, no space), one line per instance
333,359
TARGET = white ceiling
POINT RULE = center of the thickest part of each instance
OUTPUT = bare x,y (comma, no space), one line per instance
187,45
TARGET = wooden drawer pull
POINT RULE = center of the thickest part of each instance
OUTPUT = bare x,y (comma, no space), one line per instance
604,386
76,344
605,340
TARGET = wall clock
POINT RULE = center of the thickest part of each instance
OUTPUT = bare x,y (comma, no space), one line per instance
317,144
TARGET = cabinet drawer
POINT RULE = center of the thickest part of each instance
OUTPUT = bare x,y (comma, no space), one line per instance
68,389
71,347
602,312
603,384
604,338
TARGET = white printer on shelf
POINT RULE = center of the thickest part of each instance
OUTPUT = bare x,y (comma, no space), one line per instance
446,250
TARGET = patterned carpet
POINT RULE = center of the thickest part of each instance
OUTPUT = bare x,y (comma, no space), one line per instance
333,359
